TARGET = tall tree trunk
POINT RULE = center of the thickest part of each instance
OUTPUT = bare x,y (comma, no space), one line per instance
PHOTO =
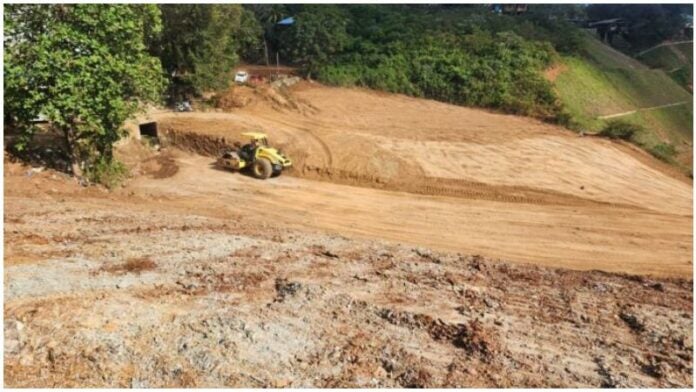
72,151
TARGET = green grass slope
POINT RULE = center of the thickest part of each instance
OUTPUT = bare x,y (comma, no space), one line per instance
605,82
675,59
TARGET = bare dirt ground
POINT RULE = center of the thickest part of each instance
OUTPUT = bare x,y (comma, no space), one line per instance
449,177
113,289
375,262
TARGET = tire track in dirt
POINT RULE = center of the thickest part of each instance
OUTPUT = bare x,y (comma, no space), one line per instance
315,139
419,146
453,188
584,235
211,146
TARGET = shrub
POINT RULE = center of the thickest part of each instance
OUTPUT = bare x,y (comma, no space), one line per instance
663,151
620,129
109,173
500,71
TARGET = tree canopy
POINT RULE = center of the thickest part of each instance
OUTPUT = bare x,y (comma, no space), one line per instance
85,67
200,42
319,32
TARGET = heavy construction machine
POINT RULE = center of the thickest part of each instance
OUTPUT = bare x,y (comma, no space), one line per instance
262,160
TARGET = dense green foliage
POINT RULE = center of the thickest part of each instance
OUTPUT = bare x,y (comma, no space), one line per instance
108,172
199,44
620,129
458,54
500,71
84,67
663,151
317,36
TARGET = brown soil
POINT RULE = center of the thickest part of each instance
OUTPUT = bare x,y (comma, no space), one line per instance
449,177
414,244
151,292
136,265
160,166
552,73
277,98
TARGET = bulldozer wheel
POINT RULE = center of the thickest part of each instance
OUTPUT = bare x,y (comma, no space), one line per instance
262,168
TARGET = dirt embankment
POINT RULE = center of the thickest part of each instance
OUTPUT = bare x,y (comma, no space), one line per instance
142,290
212,146
195,142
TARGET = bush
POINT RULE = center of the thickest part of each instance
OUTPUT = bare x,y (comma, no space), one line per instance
500,71
459,55
109,173
663,151
620,129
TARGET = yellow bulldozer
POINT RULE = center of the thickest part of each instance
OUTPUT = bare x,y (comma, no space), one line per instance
256,156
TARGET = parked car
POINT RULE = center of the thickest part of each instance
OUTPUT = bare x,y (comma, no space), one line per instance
241,77
184,106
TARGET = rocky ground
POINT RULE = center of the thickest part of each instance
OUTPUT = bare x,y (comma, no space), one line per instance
117,290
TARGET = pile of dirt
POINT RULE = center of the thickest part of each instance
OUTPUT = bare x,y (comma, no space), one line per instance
276,96
160,166
233,98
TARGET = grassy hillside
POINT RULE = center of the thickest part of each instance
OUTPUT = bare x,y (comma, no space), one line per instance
603,82
676,60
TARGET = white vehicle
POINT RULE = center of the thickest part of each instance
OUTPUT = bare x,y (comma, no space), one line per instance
241,77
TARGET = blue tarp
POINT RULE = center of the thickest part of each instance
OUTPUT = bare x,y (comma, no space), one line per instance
287,21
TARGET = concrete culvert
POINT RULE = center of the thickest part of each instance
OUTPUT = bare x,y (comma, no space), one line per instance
148,129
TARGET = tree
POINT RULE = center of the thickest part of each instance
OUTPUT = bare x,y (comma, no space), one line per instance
197,46
268,15
319,32
84,67
249,37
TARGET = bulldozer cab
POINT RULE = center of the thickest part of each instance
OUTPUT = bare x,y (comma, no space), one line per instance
260,138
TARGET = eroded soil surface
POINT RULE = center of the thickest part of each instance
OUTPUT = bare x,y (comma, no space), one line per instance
126,290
